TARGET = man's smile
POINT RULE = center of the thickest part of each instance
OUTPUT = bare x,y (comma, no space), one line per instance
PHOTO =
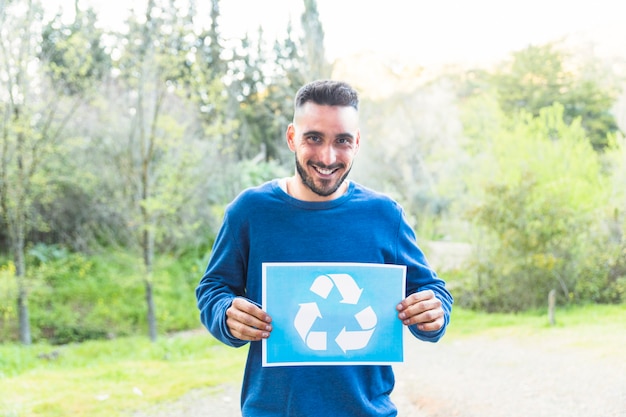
324,171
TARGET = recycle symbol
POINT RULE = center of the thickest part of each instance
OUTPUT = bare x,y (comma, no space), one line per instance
309,313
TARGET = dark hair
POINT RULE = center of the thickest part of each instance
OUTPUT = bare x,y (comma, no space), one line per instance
327,92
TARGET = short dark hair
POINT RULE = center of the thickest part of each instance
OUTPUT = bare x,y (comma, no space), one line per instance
329,93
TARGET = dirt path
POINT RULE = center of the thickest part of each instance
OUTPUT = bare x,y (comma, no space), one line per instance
543,376
513,377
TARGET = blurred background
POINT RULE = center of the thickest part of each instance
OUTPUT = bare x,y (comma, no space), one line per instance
127,126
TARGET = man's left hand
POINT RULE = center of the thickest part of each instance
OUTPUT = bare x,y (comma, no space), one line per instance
422,308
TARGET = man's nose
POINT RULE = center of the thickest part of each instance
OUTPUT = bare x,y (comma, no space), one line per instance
328,155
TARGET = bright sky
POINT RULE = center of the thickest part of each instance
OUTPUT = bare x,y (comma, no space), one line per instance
419,31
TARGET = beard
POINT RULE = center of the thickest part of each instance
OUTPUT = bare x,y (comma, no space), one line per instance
325,187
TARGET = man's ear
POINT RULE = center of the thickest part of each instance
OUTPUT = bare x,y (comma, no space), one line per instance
290,134
358,140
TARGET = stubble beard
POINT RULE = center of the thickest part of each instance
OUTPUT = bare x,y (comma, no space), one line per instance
326,188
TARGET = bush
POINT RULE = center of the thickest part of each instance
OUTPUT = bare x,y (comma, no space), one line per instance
539,217
75,298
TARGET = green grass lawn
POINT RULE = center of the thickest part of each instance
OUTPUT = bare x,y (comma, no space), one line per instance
110,378
113,378
597,328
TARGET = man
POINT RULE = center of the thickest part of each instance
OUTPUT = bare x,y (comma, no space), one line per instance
316,215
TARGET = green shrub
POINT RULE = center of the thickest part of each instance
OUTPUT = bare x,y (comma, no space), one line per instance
74,298
539,218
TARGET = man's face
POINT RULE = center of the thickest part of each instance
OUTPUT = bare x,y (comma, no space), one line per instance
325,140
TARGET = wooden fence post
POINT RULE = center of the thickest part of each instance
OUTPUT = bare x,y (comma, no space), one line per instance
552,306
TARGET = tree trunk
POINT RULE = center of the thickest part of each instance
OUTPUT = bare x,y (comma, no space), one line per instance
22,293
19,235
152,326
148,253
24,317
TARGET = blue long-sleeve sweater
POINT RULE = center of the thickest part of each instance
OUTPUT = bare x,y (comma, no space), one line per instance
265,224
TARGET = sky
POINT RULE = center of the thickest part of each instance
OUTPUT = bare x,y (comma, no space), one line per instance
434,32
419,31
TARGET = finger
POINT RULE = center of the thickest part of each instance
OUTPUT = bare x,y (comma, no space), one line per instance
242,331
422,312
432,325
246,306
430,320
416,298
417,303
246,327
246,321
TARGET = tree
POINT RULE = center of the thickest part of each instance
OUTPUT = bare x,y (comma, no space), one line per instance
426,155
165,71
49,69
265,81
541,203
264,103
540,76
315,65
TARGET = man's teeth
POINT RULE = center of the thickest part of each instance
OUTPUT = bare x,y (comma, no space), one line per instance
325,171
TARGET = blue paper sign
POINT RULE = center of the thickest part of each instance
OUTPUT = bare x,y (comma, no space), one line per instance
333,313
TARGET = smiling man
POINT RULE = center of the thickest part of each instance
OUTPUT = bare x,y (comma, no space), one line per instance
315,216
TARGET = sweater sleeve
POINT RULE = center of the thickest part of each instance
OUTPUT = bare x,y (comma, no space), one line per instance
420,277
223,280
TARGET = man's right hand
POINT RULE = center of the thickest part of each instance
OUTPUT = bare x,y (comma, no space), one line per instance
246,321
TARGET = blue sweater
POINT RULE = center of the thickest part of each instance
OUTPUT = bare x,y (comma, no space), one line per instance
265,224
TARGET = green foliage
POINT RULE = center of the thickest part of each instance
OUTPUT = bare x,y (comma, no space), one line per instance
264,90
253,174
535,79
539,76
315,65
593,104
75,298
605,266
74,54
8,294
604,274
155,128
538,213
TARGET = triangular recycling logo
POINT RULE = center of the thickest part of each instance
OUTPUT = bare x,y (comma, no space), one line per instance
333,313
309,312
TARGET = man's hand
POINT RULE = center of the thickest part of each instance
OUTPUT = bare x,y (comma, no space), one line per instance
246,321
422,308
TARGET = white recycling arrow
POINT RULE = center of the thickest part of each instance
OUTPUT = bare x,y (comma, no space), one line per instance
307,314
367,318
348,288
316,340
322,286
353,340
358,339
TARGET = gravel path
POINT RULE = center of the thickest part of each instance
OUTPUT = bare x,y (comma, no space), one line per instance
544,377
539,376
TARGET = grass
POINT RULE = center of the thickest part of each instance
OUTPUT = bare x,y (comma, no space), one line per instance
110,378
599,329
113,378
598,317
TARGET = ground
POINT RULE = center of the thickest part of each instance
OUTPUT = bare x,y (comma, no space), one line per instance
543,375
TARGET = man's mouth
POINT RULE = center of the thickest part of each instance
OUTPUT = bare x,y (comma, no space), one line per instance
325,171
